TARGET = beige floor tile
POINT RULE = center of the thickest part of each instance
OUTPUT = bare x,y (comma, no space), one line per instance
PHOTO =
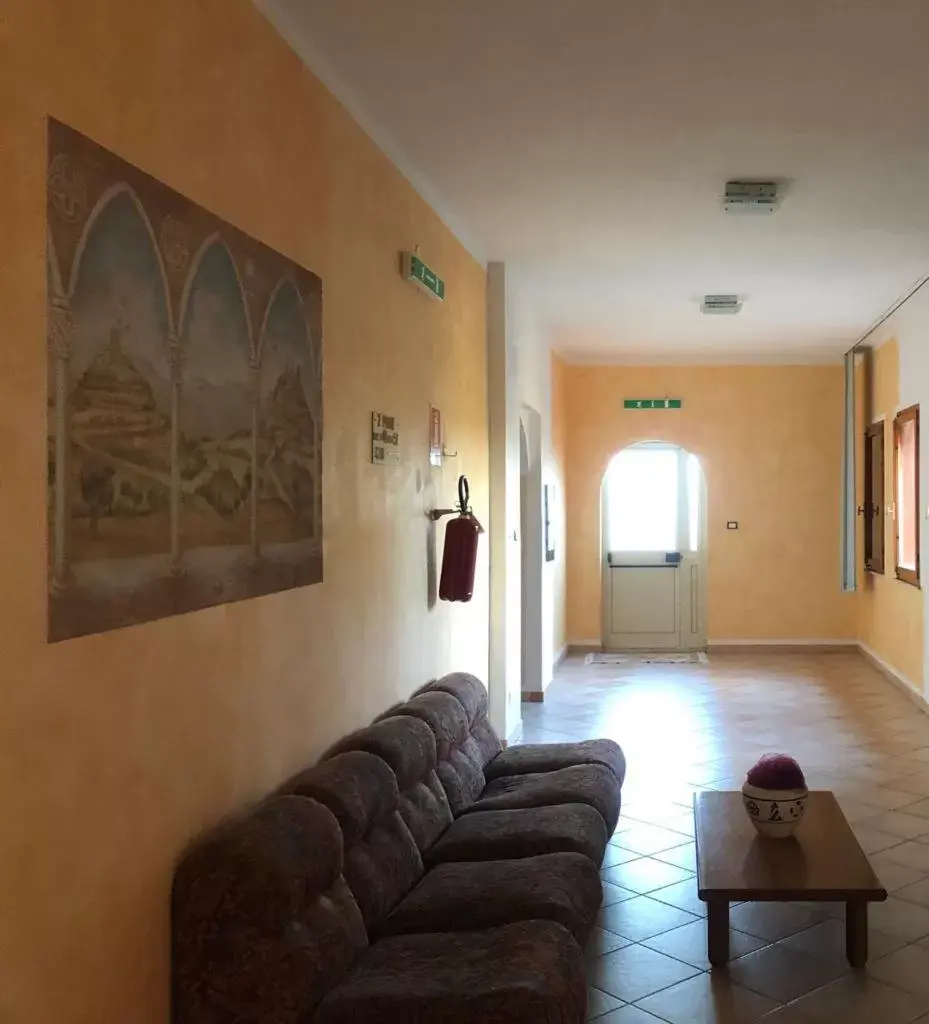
683,856
917,785
629,1015
826,941
708,999
649,839
908,969
635,972
599,1003
688,943
880,796
917,892
788,1015
872,840
861,999
920,809
897,917
899,823
602,942
614,894
772,921
645,874
894,876
617,855
641,918
911,854
682,895
784,975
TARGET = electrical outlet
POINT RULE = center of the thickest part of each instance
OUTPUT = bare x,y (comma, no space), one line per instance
732,524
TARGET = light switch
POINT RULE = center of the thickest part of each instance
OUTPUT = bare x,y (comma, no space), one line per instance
732,524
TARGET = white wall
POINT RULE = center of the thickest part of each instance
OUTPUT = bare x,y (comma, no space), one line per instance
910,326
533,388
504,678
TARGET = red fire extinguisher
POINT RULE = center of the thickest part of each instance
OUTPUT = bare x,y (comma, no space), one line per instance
460,555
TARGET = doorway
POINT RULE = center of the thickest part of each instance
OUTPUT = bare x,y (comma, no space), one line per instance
653,545
531,554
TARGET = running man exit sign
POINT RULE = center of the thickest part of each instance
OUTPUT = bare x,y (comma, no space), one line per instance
425,278
651,403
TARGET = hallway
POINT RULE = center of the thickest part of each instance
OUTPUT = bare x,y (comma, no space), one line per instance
689,727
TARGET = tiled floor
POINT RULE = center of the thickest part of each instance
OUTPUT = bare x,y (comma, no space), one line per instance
690,727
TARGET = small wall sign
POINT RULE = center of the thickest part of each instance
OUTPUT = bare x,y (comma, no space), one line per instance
651,403
435,436
385,440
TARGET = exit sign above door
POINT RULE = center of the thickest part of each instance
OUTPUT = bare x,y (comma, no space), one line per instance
651,403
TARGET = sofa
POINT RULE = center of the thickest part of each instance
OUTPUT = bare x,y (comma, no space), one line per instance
419,873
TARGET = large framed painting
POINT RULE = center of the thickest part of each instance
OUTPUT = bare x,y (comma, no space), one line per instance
184,402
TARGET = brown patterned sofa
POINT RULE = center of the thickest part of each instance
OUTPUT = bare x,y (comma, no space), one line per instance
418,874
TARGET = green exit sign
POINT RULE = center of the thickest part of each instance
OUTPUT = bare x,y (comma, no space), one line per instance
651,403
425,278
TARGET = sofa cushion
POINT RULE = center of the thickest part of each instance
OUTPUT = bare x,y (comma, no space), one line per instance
591,784
263,923
409,748
382,861
460,760
562,887
549,757
523,832
526,973
471,693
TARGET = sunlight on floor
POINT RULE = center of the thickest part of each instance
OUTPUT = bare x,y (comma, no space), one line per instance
690,727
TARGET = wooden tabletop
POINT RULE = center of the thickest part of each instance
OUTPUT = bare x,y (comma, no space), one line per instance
822,860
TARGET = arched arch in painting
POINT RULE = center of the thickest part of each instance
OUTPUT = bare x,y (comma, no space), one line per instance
289,505
216,426
119,405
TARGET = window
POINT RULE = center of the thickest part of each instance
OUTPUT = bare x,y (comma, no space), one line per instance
906,495
653,499
872,509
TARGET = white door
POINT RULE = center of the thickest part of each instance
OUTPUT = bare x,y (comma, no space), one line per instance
653,546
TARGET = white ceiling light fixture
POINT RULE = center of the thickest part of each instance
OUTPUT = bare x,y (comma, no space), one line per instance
751,197
721,305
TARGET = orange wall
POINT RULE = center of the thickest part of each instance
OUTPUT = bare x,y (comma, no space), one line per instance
769,439
559,418
890,613
116,749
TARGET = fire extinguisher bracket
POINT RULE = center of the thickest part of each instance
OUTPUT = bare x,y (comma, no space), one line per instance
463,508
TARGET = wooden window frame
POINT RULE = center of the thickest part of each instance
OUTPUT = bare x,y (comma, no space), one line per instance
906,575
872,511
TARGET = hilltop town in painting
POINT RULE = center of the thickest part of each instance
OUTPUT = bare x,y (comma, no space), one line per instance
184,402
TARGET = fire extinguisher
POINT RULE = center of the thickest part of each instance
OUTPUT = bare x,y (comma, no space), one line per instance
460,555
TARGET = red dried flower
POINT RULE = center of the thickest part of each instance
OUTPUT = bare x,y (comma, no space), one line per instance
776,771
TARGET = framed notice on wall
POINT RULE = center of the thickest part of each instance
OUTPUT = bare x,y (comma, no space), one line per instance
548,504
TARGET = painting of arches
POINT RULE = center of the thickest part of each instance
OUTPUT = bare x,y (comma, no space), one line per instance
184,402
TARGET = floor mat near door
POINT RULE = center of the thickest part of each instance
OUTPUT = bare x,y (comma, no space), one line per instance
645,658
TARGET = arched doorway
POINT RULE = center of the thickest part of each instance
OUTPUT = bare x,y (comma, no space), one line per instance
653,547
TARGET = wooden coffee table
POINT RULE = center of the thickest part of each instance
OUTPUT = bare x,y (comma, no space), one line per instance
822,861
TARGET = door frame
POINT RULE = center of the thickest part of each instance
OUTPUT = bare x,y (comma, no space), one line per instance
692,592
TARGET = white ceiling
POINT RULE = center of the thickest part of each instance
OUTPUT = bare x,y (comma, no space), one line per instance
586,143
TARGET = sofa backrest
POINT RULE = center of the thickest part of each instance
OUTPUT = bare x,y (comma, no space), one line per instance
263,923
460,762
382,861
409,748
471,693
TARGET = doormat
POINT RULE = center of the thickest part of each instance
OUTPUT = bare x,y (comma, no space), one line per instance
618,658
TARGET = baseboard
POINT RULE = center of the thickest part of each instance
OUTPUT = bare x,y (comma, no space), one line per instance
764,646
583,646
533,696
898,679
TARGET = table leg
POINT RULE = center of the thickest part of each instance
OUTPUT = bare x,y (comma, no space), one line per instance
717,932
856,932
